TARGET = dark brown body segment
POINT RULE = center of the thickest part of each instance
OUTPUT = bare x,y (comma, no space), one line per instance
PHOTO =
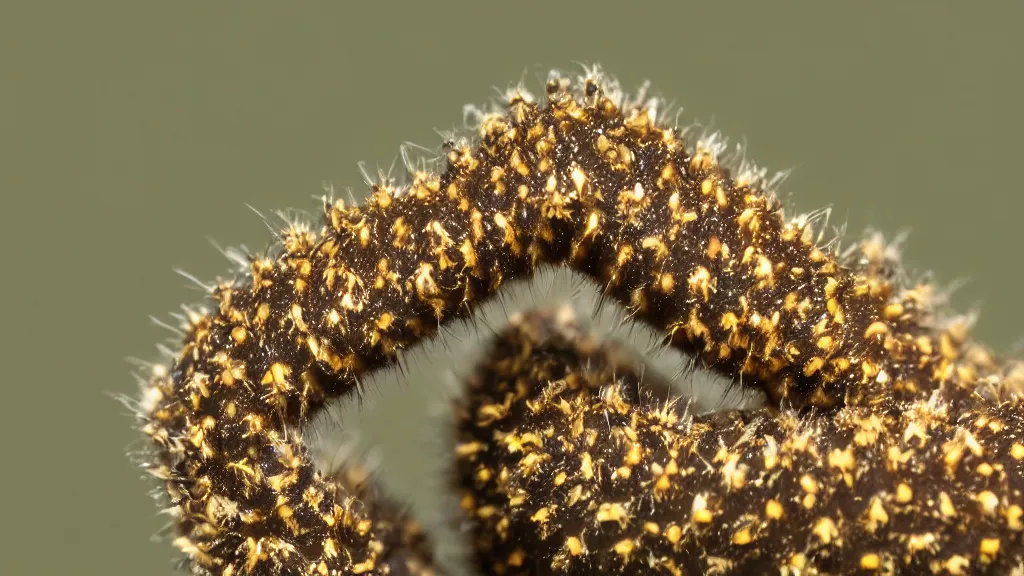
567,459
584,181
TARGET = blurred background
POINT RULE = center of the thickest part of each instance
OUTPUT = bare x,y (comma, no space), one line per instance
132,133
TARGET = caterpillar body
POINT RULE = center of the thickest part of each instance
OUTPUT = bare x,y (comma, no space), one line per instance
891,442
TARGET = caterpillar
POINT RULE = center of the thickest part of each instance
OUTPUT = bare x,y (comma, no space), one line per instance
891,441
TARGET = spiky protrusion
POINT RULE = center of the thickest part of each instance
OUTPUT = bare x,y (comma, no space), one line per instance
588,180
567,459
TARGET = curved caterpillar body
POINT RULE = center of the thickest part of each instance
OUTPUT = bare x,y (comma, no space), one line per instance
568,459
891,444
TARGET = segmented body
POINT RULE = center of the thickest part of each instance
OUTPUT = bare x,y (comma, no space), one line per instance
891,441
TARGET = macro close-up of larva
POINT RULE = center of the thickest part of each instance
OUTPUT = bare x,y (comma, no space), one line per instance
889,441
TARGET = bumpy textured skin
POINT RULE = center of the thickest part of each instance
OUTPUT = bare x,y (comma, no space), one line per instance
570,464
593,182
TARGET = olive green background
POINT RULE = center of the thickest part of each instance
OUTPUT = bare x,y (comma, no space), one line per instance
132,132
